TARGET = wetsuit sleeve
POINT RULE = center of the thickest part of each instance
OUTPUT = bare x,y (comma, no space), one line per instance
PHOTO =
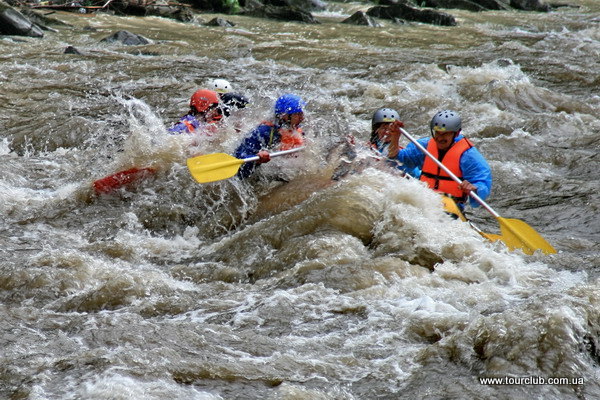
184,124
178,128
412,158
256,140
383,149
477,171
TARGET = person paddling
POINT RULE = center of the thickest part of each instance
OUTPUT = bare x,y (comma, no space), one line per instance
204,110
230,100
221,86
283,130
233,101
383,140
379,145
454,151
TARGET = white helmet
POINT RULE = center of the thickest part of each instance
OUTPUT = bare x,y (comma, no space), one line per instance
220,86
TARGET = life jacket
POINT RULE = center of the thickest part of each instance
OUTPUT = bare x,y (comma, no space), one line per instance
204,128
191,128
289,138
194,124
437,178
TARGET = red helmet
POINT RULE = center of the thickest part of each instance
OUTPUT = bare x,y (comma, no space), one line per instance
203,99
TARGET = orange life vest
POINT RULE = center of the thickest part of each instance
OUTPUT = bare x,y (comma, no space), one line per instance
437,178
189,125
207,129
291,138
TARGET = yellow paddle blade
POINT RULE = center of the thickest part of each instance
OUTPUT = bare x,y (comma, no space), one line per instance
518,235
451,208
492,237
213,167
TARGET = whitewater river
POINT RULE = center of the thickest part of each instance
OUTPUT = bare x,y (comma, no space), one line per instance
291,285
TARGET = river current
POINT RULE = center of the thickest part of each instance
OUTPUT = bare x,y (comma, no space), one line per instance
290,285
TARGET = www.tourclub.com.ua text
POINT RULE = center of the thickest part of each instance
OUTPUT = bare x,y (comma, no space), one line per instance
530,380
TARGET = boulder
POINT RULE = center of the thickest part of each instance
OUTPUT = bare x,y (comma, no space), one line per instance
361,18
13,22
219,6
42,20
458,4
408,13
282,13
220,22
182,14
530,5
307,5
493,4
143,8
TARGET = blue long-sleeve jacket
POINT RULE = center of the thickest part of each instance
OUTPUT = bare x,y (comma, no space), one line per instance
473,166
186,124
383,149
264,136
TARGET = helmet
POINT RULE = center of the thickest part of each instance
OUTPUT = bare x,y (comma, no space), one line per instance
289,104
220,85
384,115
203,99
233,100
445,121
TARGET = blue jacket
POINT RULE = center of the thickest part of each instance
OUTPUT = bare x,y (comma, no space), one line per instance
383,149
264,136
473,166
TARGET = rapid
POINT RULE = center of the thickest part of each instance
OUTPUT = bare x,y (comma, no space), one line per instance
291,285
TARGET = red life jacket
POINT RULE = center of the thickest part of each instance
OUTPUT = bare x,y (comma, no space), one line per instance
437,178
290,138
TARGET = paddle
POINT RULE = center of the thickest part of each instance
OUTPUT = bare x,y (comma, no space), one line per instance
516,234
219,166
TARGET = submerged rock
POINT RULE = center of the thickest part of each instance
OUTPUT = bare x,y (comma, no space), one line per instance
126,38
71,50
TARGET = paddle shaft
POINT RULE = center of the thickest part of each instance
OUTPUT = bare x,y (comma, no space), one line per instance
218,166
454,177
277,153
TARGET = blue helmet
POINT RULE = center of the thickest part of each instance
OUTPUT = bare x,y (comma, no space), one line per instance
289,104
